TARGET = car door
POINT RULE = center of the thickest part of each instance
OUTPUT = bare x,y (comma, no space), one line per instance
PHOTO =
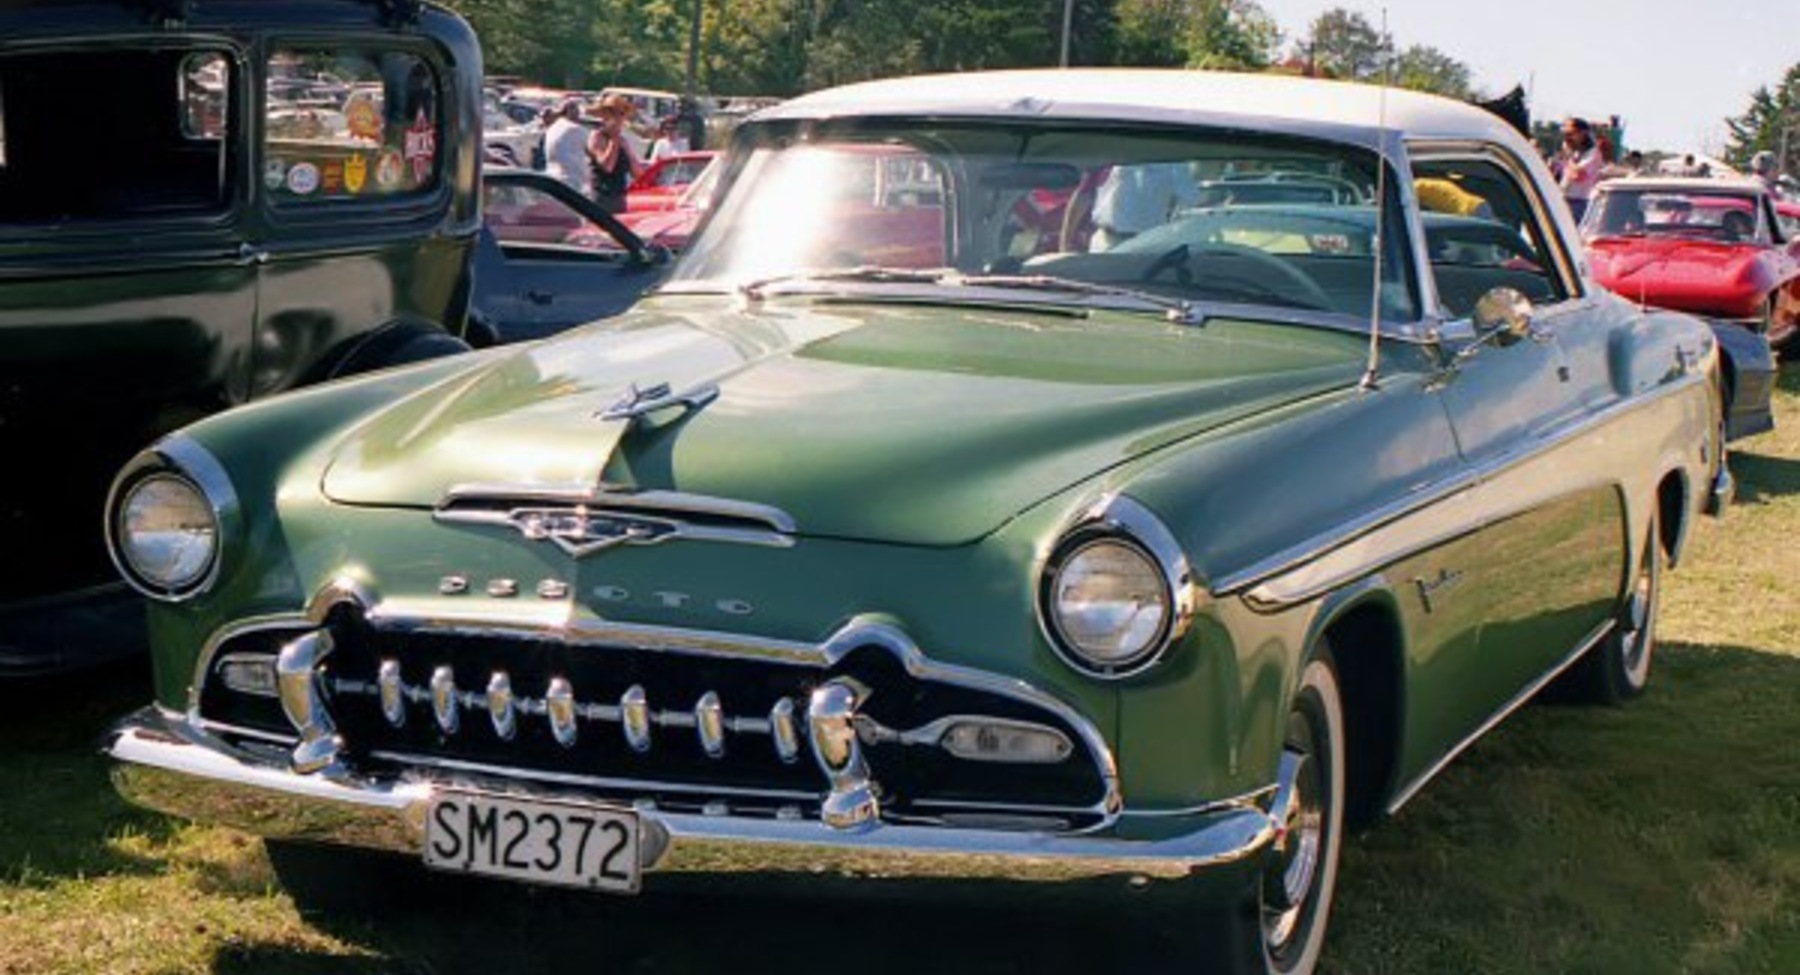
550,258
125,303
1546,562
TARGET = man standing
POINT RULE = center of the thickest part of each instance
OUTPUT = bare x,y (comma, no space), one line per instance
1134,198
1580,165
565,147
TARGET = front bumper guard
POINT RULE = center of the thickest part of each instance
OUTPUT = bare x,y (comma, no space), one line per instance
163,762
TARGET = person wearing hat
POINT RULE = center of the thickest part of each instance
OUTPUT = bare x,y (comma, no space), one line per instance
1578,165
565,147
612,163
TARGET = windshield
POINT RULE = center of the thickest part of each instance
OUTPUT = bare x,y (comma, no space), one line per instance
1709,214
1191,215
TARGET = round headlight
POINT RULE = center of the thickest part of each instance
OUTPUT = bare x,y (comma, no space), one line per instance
167,533
1110,604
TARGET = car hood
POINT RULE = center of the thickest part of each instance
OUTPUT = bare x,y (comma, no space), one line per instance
908,424
1626,259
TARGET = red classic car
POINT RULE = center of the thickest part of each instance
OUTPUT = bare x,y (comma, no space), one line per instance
662,183
1713,247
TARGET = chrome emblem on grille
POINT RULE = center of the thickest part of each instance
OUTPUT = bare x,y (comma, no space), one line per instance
709,718
500,705
393,694
559,702
444,702
781,727
634,712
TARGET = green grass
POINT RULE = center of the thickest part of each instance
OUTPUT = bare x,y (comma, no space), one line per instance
1663,837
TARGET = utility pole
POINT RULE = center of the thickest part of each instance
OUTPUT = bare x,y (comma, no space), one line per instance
1068,21
693,51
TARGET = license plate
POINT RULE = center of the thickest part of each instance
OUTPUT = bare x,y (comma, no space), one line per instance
563,843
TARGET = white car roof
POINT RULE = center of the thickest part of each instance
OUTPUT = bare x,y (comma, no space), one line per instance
1301,106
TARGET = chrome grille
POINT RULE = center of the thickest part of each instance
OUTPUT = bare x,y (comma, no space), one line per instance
681,718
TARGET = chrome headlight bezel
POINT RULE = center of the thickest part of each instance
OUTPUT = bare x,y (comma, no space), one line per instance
181,461
1118,520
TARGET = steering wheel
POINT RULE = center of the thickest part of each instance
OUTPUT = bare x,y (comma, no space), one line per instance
1306,290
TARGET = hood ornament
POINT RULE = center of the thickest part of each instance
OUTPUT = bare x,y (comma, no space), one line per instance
638,401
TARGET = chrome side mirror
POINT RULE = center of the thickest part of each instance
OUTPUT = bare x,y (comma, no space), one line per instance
1502,316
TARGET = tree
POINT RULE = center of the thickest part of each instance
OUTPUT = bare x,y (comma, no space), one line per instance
1343,44
1223,34
1425,68
1772,123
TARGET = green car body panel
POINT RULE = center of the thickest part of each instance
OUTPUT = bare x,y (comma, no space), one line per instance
1457,508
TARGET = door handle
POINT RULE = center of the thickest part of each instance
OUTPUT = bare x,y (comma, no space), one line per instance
539,297
249,253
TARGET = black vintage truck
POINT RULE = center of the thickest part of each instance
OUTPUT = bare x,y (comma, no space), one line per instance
205,202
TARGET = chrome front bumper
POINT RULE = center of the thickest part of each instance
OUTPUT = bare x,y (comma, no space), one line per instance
164,763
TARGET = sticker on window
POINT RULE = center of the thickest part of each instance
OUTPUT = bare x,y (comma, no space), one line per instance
303,179
356,172
1330,243
421,148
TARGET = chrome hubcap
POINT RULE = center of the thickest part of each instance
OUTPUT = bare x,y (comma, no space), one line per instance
1635,643
1297,851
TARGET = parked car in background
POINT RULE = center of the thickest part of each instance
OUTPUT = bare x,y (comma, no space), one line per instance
885,551
661,185
674,227
285,193
1714,247
549,258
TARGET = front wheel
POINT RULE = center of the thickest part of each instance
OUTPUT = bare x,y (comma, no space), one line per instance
1294,898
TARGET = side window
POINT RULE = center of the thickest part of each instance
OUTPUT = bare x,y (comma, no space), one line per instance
527,215
160,128
350,124
1481,232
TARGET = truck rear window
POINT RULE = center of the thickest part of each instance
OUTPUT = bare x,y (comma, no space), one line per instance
115,134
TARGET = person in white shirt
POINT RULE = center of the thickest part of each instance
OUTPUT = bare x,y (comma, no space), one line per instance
668,142
1579,165
1134,198
565,148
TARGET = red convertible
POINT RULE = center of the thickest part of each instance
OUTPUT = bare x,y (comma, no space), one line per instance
1712,247
1715,248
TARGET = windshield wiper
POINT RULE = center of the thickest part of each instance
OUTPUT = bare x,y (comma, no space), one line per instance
1174,309
755,289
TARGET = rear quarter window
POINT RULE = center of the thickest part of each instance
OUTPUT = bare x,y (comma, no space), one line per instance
350,124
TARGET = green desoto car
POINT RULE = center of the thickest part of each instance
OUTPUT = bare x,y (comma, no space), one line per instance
923,527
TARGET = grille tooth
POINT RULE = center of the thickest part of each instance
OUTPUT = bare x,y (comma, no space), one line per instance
634,711
784,731
559,703
709,719
500,705
393,693
444,700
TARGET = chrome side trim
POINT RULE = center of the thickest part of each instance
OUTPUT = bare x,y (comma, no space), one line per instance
1403,796
1323,543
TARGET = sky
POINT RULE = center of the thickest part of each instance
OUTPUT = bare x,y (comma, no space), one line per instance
1672,79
